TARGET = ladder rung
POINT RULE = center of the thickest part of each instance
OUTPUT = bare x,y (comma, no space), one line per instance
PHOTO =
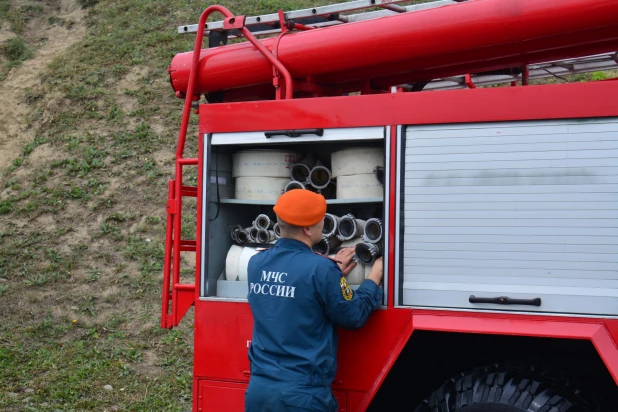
188,245
187,161
190,191
318,16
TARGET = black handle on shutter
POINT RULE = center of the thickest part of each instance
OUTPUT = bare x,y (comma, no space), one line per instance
294,133
505,300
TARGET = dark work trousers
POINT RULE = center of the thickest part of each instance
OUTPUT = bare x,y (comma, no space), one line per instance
266,395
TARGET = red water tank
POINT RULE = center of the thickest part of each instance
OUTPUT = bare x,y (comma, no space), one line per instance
468,37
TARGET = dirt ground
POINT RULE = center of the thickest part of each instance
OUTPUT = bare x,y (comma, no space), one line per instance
15,127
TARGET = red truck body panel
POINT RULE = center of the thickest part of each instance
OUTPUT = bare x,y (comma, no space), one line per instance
223,328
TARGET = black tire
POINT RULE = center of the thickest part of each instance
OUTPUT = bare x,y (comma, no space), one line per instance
508,388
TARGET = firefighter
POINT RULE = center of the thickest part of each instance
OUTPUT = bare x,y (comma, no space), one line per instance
298,299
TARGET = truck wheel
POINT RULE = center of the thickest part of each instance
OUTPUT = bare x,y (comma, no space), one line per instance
508,388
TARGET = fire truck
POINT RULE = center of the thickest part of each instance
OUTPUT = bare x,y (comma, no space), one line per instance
492,198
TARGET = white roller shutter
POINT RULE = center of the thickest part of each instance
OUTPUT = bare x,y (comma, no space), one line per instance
524,210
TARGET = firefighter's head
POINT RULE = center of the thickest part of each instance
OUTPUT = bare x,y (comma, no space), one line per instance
300,214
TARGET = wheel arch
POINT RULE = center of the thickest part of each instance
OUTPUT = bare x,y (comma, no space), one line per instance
434,353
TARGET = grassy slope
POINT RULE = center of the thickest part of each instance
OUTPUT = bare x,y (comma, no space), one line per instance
82,218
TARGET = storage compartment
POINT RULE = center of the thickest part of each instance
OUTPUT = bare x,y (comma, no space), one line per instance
345,165
518,216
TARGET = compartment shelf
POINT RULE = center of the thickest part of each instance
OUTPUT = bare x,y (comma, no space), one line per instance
328,201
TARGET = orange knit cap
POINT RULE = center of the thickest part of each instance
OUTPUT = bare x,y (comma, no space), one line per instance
301,207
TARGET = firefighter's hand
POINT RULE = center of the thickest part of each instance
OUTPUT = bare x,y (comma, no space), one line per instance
377,271
344,260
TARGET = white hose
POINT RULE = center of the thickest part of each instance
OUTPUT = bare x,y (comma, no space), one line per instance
359,186
232,261
350,227
243,262
263,163
357,275
260,188
356,161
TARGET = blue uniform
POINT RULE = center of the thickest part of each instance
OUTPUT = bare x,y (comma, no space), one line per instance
298,299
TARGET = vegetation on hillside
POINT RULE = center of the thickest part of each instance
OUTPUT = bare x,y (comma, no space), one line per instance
82,211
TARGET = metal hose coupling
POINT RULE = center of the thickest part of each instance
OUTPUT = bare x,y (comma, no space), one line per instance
330,225
262,221
300,171
367,253
374,231
234,230
350,227
320,176
253,234
327,245
294,184
265,236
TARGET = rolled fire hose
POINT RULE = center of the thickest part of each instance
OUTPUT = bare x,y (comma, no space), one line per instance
243,262
350,228
260,188
265,236
300,171
374,232
277,230
232,261
293,185
356,161
359,186
262,221
330,225
357,275
326,245
263,163
367,253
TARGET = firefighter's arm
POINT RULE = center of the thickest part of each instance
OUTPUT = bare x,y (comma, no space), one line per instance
345,307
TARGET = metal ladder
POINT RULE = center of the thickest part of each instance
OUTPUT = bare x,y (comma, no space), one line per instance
315,17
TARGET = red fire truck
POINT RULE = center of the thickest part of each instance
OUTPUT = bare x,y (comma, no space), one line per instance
494,200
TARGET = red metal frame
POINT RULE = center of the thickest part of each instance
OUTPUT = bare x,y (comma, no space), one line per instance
183,296
222,328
